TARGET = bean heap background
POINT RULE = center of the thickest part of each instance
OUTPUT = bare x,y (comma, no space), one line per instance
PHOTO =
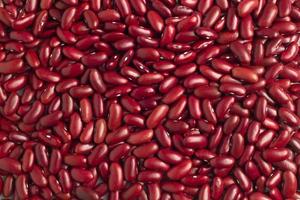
149,99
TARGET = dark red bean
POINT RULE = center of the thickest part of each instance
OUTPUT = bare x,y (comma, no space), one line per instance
156,116
256,195
246,7
279,94
10,165
148,54
289,184
243,180
156,164
149,176
240,52
245,74
133,191
187,23
115,177
180,170
140,152
203,102
208,54
68,18
268,15
232,20
155,21
117,136
211,16
22,187
86,193
12,66
162,136
27,160
222,161
93,60
288,116
115,114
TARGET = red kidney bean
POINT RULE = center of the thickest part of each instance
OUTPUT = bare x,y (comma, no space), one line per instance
284,27
115,177
156,116
130,168
38,177
41,155
222,161
290,184
55,161
180,170
100,131
119,152
208,54
240,51
187,23
288,116
290,52
27,160
10,165
185,70
182,10
108,15
279,94
259,195
156,164
246,7
162,136
135,120
117,136
91,19
211,16
217,188
74,107
160,7
170,156
65,180
75,160
21,187
237,145
268,15
86,193
149,176
274,179
232,20
233,88
12,66
232,192
264,167
245,74
93,60
133,191
141,153
155,21
81,175
178,108
244,181
172,187
140,137
208,111
68,18
115,114
97,154
139,7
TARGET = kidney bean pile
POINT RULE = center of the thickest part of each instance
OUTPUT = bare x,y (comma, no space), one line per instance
150,99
